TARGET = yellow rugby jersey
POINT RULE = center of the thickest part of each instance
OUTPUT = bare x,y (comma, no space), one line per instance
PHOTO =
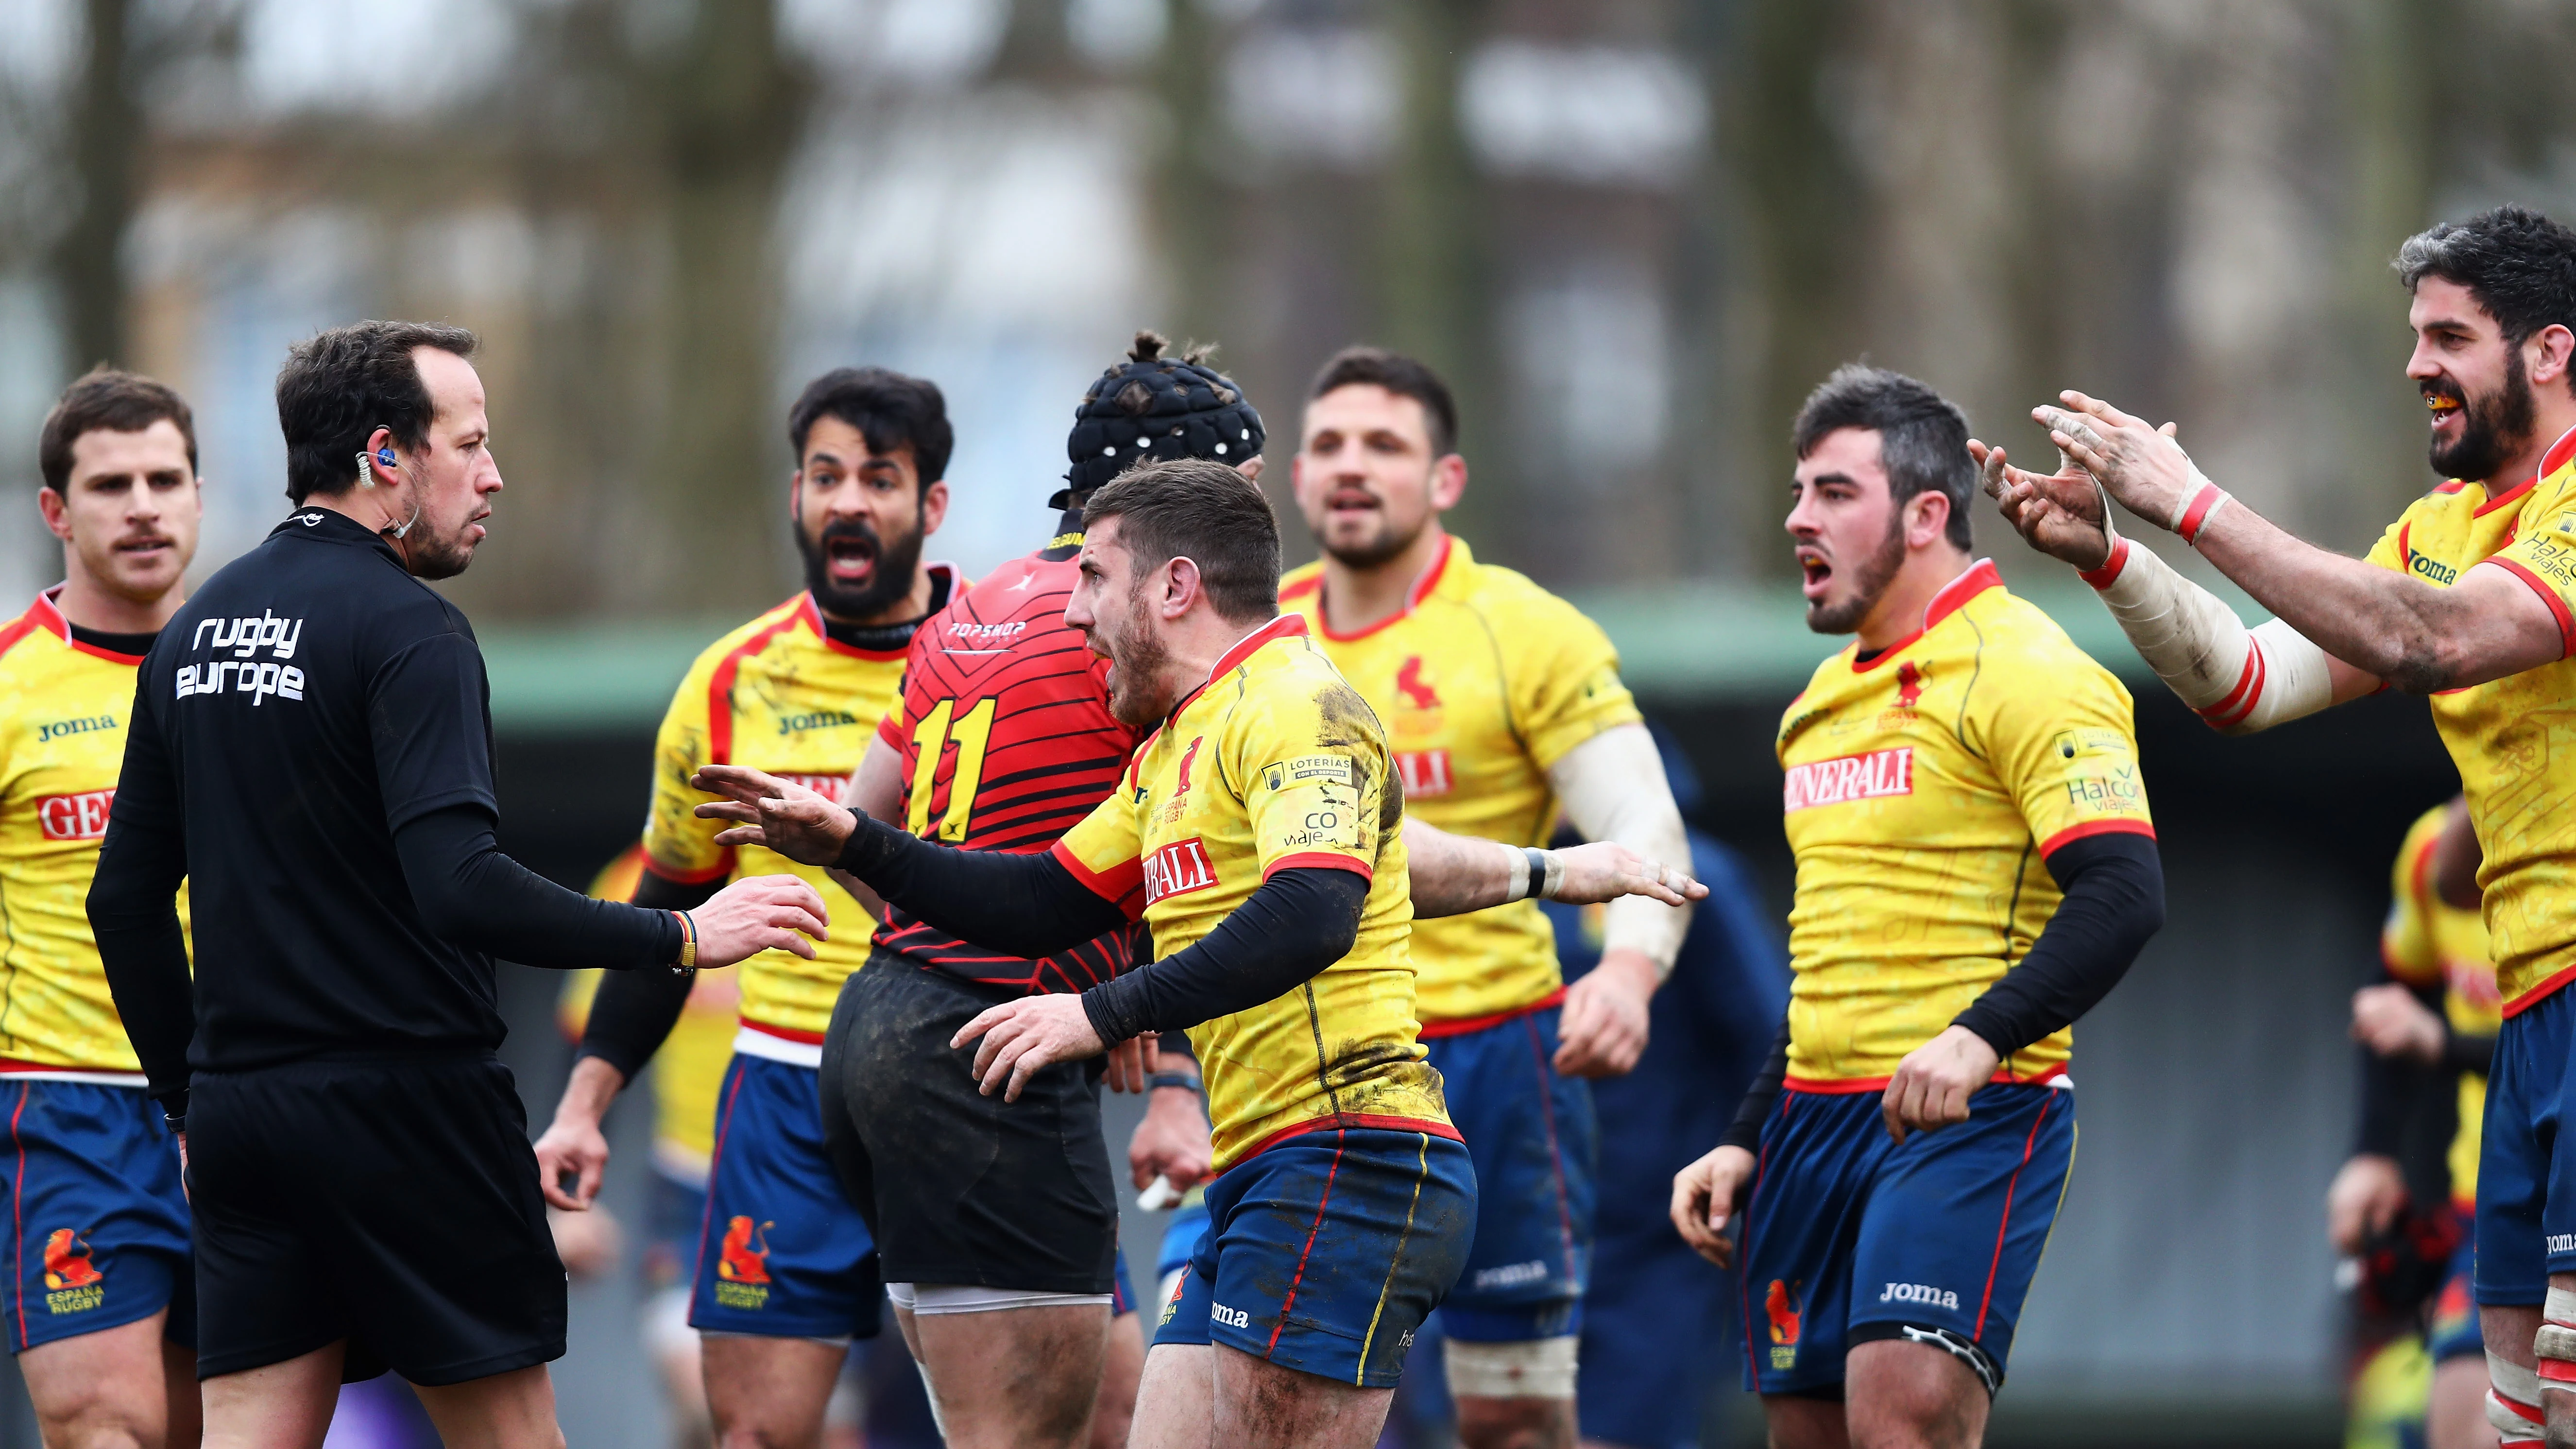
1923,790
1275,763
2512,738
777,694
688,1071
1484,681
2426,940
64,706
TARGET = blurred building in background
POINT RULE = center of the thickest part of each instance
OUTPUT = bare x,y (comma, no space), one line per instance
1633,232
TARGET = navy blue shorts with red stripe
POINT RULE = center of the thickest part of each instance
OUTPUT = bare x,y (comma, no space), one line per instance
1850,1237
1530,1132
98,1224
1325,1252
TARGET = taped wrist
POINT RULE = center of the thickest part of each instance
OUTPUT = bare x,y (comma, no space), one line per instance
2513,1401
2240,680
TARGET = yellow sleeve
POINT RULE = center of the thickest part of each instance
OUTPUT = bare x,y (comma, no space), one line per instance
1312,771
1563,674
2544,557
2390,551
2060,734
1102,850
2406,942
681,846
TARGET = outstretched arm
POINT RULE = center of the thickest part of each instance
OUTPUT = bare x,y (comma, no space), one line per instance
2494,622
1024,905
2240,680
1454,874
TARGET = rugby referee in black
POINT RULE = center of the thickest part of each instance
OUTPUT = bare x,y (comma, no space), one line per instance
311,747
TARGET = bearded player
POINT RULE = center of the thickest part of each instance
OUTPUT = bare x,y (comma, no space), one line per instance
1257,835
2437,1012
785,1274
2470,598
101,1307
1503,705
1975,870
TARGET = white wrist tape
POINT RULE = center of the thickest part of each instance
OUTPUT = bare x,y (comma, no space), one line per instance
1613,788
2240,680
1534,872
2199,504
1538,1368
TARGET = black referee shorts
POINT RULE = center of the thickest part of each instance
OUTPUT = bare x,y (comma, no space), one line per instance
392,1202
961,1188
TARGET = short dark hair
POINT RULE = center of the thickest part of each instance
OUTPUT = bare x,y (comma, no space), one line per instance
888,408
341,385
1402,376
2519,265
1201,510
107,400
1922,436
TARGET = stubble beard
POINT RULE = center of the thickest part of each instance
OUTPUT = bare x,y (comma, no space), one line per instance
1877,571
2491,427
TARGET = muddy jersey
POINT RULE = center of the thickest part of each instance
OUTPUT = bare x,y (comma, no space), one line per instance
1923,789
778,694
64,706
2513,738
1007,743
1485,681
1275,763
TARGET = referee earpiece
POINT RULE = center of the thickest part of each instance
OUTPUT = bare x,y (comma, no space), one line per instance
385,456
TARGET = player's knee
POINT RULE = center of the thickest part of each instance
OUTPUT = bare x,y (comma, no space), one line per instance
1537,1368
99,1426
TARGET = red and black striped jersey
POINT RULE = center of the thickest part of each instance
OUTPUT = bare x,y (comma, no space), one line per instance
1007,743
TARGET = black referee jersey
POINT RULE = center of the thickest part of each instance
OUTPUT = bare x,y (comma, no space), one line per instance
311,748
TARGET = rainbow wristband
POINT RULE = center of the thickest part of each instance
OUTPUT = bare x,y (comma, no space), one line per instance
688,941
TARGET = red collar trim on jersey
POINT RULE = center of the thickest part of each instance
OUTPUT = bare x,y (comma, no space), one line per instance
2559,455
1286,626
49,617
1413,598
1952,597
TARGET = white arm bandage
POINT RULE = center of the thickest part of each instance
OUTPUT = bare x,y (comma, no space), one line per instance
1613,788
2239,679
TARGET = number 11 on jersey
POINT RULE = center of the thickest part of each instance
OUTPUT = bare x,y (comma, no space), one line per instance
929,739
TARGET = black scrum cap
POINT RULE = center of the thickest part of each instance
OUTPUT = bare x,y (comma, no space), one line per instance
1151,407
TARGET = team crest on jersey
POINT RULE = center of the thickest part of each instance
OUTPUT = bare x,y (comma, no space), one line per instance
742,1264
1909,685
75,817
73,1284
1873,776
1417,701
1178,869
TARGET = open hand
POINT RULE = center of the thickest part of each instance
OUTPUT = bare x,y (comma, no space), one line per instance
1604,870
2139,464
760,913
1932,1085
1024,1035
1602,1030
2062,514
804,825
1706,1197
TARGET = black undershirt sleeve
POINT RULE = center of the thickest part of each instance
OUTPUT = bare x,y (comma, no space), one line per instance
2467,1053
1290,928
634,1011
2392,1086
134,912
468,892
2113,899
1019,905
1746,1130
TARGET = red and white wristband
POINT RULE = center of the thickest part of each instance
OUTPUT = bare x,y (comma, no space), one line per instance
2198,507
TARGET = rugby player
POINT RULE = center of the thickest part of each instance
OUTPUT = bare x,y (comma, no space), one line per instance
1503,705
784,1275
101,1305
1976,868
1256,835
2469,598
311,749
2438,1009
